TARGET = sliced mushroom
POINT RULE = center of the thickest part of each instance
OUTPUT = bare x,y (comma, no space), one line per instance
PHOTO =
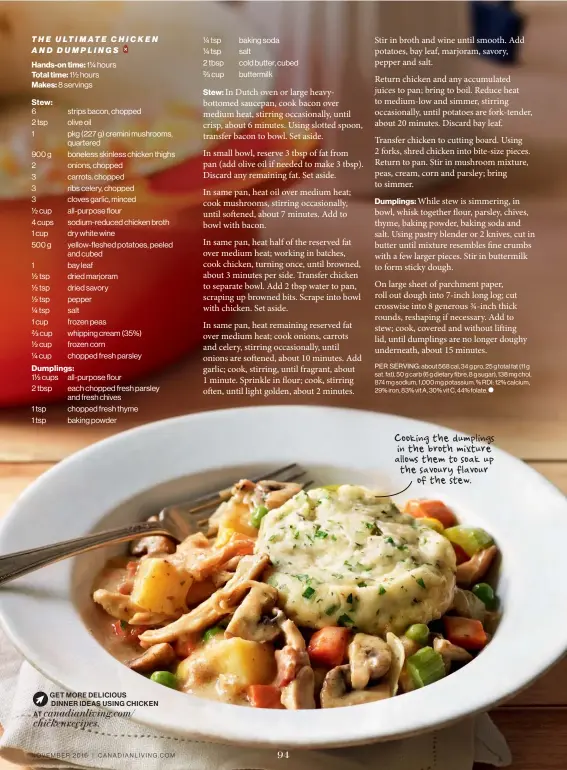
252,619
153,545
476,567
242,488
335,691
467,605
300,692
369,658
159,656
398,661
272,494
223,602
491,620
450,652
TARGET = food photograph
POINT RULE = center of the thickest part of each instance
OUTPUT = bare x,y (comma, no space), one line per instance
233,534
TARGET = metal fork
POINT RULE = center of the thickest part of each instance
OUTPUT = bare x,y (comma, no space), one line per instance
175,521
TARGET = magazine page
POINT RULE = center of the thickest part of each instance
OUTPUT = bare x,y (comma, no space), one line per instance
283,449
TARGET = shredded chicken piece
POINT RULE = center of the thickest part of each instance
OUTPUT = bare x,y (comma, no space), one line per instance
144,618
159,656
410,646
476,567
451,652
221,578
293,636
295,675
117,605
223,602
250,621
300,693
232,564
467,605
203,561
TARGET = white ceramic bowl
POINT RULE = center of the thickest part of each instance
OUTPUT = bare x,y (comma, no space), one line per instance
136,472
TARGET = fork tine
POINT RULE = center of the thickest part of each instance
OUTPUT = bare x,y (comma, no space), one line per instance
214,498
202,524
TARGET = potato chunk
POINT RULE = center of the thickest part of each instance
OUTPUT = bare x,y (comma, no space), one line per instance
160,586
248,662
234,518
244,662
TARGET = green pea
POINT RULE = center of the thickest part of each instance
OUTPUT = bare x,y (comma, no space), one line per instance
213,631
257,515
486,594
166,678
418,632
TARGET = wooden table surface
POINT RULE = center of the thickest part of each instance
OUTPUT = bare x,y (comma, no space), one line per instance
532,427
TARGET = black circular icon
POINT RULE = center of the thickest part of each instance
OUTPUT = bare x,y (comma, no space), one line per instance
40,699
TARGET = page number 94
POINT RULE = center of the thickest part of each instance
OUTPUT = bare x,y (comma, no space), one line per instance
283,754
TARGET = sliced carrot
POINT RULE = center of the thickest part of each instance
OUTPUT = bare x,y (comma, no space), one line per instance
327,647
185,645
264,696
126,632
460,553
465,632
431,509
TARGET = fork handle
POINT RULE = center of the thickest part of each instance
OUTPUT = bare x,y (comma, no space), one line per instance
14,565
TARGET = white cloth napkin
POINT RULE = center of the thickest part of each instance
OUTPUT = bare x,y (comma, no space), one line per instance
118,743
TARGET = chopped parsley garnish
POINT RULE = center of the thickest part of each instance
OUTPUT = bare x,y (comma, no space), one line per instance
390,540
304,578
402,547
362,584
345,620
334,537
272,538
374,529
350,599
308,593
123,625
381,590
332,609
420,582
321,533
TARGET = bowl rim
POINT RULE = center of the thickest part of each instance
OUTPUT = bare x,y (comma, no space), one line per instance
497,678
